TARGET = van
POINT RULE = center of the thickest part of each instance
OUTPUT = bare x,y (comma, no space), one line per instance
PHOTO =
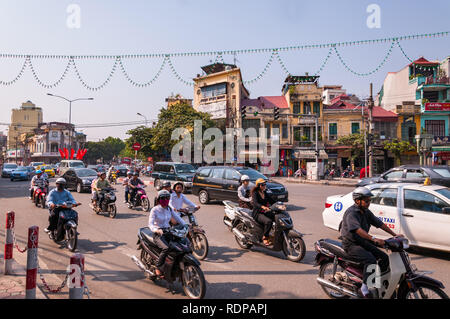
173,173
64,165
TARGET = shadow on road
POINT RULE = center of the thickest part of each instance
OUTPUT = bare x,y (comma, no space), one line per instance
10,189
292,207
260,272
232,290
223,254
128,215
87,246
425,253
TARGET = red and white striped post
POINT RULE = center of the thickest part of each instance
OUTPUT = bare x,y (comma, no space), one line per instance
32,262
76,277
9,243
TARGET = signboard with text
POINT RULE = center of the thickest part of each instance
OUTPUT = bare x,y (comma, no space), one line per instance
437,106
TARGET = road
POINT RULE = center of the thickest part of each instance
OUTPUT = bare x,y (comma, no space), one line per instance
231,272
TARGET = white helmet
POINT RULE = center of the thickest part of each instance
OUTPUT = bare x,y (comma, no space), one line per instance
163,193
245,178
60,181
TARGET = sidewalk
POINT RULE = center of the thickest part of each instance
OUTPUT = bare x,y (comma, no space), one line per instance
347,182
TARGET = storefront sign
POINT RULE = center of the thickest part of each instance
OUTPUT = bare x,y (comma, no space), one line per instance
445,156
437,107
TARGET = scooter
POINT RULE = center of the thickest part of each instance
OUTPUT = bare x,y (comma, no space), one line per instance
140,200
113,178
249,232
66,231
196,234
108,204
340,276
40,196
179,264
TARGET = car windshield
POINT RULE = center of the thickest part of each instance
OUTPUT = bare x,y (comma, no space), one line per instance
185,168
76,164
10,166
442,171
45,167
86,172
21,168
253,174
444,192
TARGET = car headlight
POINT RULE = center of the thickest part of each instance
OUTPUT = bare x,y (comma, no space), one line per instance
269,191
85,181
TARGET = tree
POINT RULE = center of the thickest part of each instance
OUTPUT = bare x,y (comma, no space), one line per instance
356,141
106,149
143,136
397,148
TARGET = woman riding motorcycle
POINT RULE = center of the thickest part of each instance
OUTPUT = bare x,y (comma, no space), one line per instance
245,200
261,208
159,219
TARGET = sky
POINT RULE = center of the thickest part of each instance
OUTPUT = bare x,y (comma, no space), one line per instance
150,26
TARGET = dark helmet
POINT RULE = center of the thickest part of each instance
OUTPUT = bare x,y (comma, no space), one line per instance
165,184
129,173
362,192
135,174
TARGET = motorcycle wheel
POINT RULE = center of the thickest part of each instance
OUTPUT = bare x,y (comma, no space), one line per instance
43,202
200,246
72,239
299,247
241,243
146,204
194,284
424,291
112,211
326,272
145,261
36,202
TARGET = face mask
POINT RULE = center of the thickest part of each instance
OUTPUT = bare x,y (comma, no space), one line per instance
164,202
60,187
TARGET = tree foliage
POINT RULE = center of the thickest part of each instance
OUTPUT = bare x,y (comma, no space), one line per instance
142,135
356,141
104,150
397,148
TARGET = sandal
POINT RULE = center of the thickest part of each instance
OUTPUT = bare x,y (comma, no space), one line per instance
266,242
159,273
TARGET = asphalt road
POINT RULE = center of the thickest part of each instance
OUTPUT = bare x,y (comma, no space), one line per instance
231,272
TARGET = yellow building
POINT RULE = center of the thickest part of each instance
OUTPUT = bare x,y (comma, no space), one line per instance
23,120
176,99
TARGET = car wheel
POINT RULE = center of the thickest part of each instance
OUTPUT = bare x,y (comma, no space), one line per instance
79,188
203,197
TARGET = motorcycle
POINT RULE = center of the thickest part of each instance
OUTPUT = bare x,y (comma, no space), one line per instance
196,235
340,276
348,174
40,196
180,263
108,204
140,200
113,177
66,231
249,232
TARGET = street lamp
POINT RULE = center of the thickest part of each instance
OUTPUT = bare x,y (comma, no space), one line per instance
70,111
146,124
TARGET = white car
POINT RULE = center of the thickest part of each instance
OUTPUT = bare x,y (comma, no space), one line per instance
421,213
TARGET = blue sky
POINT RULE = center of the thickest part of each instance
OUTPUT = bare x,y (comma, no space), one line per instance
143,26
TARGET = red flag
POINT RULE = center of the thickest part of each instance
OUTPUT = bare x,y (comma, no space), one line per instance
78,155
66,153
61,153
72,151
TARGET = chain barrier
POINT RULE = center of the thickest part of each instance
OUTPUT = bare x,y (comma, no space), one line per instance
86,289
16,244
47,287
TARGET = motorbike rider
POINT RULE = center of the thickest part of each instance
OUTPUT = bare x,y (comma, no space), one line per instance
57,196
159,219
133,183
126,180
101,184
262,213
177,199
165,185
38,181
245,200
357,242
110,170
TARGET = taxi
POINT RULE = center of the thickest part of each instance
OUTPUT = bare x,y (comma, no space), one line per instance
420,212
47,169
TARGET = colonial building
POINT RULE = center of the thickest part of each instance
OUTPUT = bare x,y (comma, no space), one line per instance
23,120
177,99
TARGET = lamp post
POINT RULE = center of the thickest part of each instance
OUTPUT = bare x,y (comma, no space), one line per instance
70,111
146,122
424,143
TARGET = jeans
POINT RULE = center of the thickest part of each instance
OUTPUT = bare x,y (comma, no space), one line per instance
162,241
126,195
266,219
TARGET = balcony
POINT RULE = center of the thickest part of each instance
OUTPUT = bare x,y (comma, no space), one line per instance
432,80
440,140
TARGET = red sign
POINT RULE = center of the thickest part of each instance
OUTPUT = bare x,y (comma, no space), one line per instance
136,146
437,106
445,156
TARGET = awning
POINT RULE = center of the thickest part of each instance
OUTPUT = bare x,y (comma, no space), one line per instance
440,148
309,154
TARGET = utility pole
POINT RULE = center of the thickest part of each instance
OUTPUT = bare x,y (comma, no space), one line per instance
371,131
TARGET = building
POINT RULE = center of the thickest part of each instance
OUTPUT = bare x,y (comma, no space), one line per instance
23,120
330,92
177,99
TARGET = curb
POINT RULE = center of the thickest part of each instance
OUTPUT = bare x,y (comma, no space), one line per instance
322,182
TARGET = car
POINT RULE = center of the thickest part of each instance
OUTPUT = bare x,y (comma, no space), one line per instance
420,212
79,179
122,170
68,164
173,172
222,182
8,168
22,173
439,175
47,169
36,164
94,167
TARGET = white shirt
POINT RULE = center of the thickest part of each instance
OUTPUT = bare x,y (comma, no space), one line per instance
160,218
177,202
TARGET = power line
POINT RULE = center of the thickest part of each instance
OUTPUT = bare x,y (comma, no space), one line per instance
90,125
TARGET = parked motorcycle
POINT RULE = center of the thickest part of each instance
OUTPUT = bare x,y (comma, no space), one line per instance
348,174
140,200
180,263
249,232
108,204
341,277
66,231
40,196
196,234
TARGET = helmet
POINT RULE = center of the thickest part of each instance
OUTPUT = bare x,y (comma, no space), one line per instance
38,171
165,184
163,193
260,181
60,181
245,178
178,183
129,173
135,174
362,192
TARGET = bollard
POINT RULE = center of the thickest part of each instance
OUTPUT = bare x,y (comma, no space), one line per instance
76,277
32,262
9,244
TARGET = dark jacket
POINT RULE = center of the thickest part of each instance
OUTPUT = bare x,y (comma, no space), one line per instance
258,201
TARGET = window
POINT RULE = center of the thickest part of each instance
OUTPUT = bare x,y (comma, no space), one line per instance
307,133
435,127
284,131
332,131
385,197
386,129
442,171
419,200
296,107
231,174
214,90
253,123
393,175
444,192
217,173
316,107
267,125
307,107
314,133
415,173
204,172
355,127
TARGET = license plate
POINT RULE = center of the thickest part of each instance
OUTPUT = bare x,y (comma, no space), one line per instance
281,196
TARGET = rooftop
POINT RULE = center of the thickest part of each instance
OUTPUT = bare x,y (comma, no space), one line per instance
267,102
217,67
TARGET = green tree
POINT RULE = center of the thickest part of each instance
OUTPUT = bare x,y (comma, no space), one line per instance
106,149
143,136
397,148
356,141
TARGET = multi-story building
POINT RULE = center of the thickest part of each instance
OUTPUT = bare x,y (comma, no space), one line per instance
23,120
330,92
176,99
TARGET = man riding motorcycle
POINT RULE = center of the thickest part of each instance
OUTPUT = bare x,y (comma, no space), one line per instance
356,240
110,170
57,196
126,180
159,219
177,199
38,181
102,183
245,200
133,183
